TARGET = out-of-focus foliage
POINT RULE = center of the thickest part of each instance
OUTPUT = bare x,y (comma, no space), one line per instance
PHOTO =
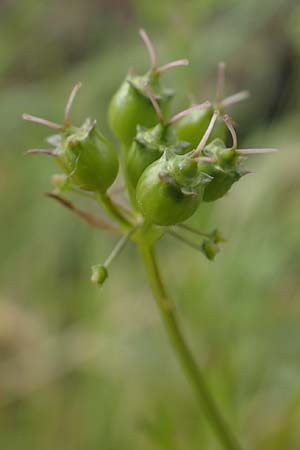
87,369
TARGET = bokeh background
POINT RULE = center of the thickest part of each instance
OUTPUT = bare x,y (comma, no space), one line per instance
89,369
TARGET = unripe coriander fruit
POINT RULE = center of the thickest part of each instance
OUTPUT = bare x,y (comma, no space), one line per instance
130,106
210,249
149,144
225,170
170,189
88,158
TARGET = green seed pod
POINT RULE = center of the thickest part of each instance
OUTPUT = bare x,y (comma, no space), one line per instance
88,158
210,249
147,147
221,163
130,106
170,189
225,169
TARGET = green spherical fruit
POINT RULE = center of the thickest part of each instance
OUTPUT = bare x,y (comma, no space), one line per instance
148,146
88,158
169,191
130,106
192,127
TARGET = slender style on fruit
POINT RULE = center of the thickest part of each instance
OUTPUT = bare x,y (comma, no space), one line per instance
193,126
224,164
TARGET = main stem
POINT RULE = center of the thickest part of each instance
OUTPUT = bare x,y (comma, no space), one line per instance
192,370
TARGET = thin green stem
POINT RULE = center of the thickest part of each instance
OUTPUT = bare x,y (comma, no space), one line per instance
193,230
184,240
119,246
114,211
193,371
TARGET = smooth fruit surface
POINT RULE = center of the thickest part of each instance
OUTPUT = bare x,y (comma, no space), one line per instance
160,202
89,159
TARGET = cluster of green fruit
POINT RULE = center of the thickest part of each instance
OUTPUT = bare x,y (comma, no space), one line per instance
170,165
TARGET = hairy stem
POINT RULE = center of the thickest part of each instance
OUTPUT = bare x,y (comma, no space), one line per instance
191,368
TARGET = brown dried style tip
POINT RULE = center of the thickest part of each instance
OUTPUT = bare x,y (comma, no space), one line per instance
207,133
41,151
245,151
152,56
70,103
40,120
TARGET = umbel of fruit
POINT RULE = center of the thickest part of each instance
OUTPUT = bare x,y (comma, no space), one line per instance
170,190
191,127
86,156
130,106
150,143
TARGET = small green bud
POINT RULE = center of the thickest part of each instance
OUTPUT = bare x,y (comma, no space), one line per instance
99,274
217,237
210,249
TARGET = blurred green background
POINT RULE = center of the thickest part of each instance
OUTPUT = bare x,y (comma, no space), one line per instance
84,369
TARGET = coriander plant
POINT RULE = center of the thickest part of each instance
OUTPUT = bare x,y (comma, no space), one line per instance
170,165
